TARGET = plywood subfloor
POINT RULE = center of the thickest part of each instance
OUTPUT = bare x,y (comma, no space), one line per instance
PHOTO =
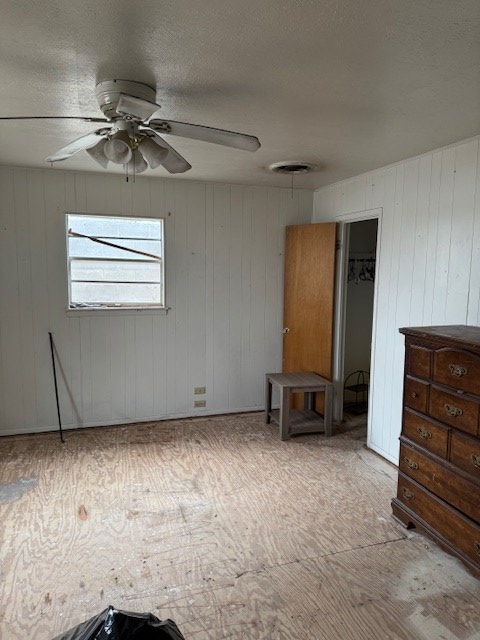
219,525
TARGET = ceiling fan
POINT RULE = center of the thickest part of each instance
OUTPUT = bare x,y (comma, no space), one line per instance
130,133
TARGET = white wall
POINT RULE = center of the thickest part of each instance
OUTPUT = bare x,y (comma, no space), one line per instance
224,281
429,261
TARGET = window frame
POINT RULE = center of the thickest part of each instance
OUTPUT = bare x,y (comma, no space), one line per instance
133,307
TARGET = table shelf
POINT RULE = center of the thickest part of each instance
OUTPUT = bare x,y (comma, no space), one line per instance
301,421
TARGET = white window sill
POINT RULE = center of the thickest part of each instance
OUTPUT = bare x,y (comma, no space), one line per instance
118,311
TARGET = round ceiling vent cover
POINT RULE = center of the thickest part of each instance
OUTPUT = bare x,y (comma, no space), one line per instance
292,168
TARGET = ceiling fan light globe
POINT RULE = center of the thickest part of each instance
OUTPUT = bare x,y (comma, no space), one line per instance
97,153
137,164
117,149
153,152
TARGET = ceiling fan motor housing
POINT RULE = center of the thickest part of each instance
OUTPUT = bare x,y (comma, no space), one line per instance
108,94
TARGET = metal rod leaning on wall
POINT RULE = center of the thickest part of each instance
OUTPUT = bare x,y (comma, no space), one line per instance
52,351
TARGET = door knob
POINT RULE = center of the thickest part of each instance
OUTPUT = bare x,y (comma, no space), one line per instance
286,330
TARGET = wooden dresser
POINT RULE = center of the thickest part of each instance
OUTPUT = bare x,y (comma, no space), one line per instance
439,469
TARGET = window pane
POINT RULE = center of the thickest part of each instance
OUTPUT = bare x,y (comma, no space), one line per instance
118,271
84,248
116,227
116,293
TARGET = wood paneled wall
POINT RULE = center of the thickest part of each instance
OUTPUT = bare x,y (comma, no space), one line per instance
429,264
224,284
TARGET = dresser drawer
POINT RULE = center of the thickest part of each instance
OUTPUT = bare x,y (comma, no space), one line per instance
416,394
426,433
453,409
418,361
465,454
443,482
458,369
460,531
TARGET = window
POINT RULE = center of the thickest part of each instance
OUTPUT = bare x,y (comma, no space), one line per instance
115,262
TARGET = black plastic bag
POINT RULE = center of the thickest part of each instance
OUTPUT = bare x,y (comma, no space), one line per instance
113,624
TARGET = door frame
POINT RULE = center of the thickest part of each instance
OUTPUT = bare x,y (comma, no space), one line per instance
340,306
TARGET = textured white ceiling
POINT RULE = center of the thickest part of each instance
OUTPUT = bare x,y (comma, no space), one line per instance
349,84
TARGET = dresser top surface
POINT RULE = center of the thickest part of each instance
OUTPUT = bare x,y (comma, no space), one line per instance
461,333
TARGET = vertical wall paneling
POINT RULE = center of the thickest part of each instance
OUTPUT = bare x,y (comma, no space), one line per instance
273,336
221,292
259,286
56,203
432,232
75,386
26,310
473,316
427,270
460,255
144,380
130,382
181,299
86,406
100,367
419,264
179,367
172,261
140,197
158,207
209,291
43,384
444,230
96,194
12,390
118,366
235,298
223,246
246,383
196,282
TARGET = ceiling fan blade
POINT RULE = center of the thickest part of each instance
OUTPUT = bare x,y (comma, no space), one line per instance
174,162
85,142
84,119
136,108
206,134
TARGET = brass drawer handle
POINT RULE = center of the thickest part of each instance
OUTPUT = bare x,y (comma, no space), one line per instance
476,460
424,433
457,370
414,394
452,411
476,546
407,494
410,463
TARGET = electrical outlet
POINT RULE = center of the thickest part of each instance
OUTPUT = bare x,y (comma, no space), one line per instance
199,391
199,403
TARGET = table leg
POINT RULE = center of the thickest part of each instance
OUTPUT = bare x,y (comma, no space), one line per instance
284,412
309,400
268,399
328,411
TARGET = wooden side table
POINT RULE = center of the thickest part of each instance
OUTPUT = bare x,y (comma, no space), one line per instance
306,420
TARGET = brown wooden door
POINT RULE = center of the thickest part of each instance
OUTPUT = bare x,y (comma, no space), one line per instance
308,298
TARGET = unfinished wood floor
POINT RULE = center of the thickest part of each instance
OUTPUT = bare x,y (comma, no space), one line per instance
219,525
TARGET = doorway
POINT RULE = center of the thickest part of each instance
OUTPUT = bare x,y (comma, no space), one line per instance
359,274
